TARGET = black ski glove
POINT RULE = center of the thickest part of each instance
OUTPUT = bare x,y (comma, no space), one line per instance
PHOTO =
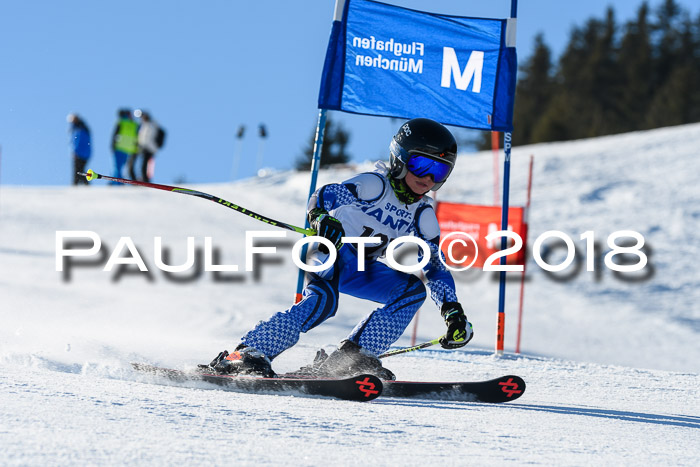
459,330
329,227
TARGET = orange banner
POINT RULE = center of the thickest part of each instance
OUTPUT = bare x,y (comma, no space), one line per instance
477,222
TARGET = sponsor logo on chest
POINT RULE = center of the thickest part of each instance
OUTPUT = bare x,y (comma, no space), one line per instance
390,215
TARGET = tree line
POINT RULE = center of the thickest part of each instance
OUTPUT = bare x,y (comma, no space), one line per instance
611,78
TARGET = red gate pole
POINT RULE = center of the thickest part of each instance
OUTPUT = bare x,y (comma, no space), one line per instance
525,232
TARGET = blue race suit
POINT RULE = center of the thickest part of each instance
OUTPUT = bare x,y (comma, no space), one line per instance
366,205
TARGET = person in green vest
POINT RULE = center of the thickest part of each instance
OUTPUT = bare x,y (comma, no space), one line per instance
124,140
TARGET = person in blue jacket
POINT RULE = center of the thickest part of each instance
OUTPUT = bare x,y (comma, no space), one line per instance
81,147
386,204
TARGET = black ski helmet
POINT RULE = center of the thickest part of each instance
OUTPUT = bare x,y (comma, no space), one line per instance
425,137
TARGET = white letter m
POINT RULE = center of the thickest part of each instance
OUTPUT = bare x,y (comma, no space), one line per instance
450,67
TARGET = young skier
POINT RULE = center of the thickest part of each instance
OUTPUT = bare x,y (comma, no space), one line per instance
388,203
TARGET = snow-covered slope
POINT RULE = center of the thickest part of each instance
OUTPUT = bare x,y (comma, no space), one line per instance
611,365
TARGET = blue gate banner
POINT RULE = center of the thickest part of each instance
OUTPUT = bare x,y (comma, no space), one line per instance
391,61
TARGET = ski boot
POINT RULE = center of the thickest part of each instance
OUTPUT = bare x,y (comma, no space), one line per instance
312,370
349,360
243,361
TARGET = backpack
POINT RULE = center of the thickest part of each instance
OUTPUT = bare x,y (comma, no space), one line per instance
160,137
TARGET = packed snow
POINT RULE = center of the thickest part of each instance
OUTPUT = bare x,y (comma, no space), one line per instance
610,360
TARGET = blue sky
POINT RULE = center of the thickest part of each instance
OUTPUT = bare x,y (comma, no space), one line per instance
202,69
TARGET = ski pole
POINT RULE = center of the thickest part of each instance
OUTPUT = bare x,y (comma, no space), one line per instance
90,176
410,349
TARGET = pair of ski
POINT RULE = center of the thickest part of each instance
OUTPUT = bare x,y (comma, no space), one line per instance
364,387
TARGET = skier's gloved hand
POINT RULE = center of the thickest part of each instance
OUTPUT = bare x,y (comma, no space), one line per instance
329,227
459,330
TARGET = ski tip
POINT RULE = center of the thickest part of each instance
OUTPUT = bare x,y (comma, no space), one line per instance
366,388
511,387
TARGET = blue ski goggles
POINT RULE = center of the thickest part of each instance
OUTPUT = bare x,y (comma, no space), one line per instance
420,166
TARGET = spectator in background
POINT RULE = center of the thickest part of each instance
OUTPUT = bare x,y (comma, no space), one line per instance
80,147
148,145
124,141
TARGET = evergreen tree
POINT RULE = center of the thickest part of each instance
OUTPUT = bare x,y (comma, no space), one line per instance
637,71
587,82
677,69
667,36
335,141
607,85
677,101
534,91
572,102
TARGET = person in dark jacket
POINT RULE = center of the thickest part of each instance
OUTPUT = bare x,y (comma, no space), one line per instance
81,147
148,145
